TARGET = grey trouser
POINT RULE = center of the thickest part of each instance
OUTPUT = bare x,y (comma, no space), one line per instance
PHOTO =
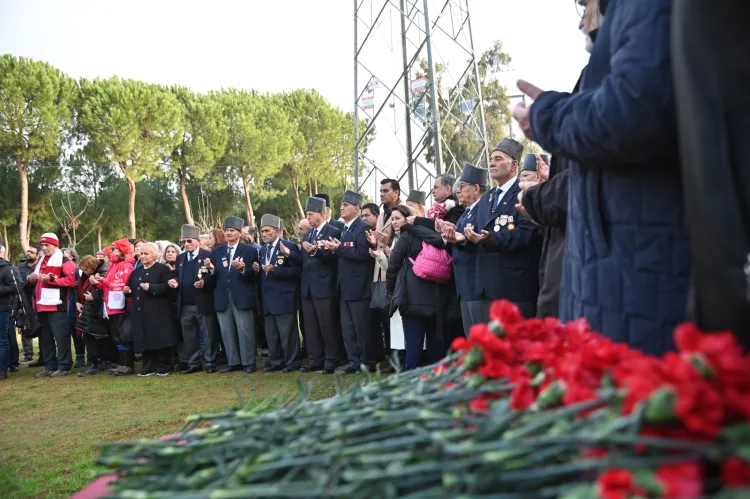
238,333
282,335
472,313
192,322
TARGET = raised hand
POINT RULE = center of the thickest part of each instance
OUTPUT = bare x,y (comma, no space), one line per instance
207,263
371,238
239,264
284,249
474,237
268,269
310,248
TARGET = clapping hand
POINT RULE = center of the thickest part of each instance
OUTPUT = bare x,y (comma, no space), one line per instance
542,168
310,248
332,244
374,253
207,263
474,237
284,249
521,112
381,237
268,269
239,264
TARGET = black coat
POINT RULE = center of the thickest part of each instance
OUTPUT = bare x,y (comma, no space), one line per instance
91,320
8,291
319,271
422,298
508,261
151,320
355,265
204,297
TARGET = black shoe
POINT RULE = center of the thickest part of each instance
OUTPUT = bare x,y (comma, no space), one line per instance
250,370
182,366
210,370
290,369
270,369
37,363
91,370
13,369
264,353
328,371
348,370
231,369
192,370
311,369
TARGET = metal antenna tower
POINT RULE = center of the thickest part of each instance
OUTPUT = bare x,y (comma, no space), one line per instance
416,82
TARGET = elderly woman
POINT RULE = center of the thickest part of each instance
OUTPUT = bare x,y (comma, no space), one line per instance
152,329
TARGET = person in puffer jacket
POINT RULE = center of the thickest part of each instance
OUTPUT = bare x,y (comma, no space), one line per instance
422,308
115,303
92,324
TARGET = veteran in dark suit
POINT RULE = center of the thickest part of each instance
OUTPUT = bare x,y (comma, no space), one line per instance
355,269
230,272
509,245
195,304
319,290
469,189
279,274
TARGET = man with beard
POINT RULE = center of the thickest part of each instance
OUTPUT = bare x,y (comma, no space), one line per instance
627,257
509,244
25,269
546,203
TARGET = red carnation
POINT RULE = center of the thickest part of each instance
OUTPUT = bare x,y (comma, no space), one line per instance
523,396
506,313
735,472
681,481
617,484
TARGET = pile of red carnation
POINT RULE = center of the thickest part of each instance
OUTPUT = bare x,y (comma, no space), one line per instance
699,394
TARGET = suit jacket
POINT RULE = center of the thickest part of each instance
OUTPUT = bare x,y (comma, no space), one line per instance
508,261
319,270
204,298
279,289
335,223
355,266
225,279
465,260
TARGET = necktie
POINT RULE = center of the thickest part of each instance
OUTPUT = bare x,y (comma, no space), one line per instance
190,257
314,235
498,195
229,253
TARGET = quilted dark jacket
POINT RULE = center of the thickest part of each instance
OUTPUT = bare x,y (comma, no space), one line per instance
627,259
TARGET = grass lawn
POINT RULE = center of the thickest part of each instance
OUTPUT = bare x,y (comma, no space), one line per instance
48,426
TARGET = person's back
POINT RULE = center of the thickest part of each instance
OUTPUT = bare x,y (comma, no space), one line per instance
627,257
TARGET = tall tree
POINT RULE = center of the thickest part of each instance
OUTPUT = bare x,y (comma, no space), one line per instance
316,139
36,117
133,124
204,140
260,141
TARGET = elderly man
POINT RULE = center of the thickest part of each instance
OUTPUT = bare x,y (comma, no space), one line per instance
320,307
509,243
230,272
25,269
278,272
195,304
336,223
354,268
469,189
627,258
53,277
532,171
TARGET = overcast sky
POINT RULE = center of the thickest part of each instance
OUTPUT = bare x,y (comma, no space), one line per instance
269,46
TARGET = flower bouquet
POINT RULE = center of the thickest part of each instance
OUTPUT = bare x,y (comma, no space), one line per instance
523,409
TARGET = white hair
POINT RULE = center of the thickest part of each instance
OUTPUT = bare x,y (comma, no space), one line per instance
2,251
155,249
163,246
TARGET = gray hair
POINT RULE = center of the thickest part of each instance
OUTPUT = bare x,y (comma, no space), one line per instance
156,250
73,253
447,180
2,251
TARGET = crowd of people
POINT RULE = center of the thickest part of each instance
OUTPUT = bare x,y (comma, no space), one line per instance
597,230
338,294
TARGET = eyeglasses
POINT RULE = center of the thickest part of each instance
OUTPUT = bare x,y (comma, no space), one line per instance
581,7
188,241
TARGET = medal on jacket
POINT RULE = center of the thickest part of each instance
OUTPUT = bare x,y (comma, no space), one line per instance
280,260
226,263
511,225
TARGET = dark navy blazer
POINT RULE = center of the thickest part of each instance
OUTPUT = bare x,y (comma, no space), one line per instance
279,289
465,260
355,265
226,279
319,271
204,298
